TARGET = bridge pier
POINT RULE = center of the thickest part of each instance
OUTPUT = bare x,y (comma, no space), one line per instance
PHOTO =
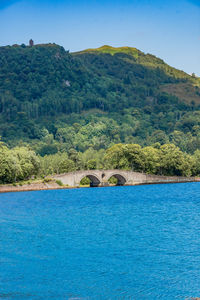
104,184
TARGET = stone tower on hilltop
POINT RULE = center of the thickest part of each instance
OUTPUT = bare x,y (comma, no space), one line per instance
31,43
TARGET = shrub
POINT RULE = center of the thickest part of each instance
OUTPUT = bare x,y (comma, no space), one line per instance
59,182
85,181
47,180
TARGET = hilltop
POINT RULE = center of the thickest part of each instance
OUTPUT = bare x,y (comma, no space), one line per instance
189,84
53,99
133,55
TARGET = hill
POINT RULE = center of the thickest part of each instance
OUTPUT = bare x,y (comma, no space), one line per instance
56,100
133,55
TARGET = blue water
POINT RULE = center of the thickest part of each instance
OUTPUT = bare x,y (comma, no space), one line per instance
139,242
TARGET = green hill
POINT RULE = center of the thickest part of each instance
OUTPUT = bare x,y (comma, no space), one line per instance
56,100
134,56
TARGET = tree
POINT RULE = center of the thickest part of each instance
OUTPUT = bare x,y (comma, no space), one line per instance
91,164
150,157
10,168
75,157
17,164
196,158
115,158
28,161
66,165
173,161
124,156
133,154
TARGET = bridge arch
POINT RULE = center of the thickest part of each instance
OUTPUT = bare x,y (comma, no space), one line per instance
94,180
121,180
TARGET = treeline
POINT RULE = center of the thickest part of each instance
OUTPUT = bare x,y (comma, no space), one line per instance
22,163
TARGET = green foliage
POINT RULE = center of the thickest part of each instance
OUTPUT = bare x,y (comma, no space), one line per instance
196,158
163,160
46,180
113,180
124,156
56,164
17,164
91,164
173,161
59,182
85,181
151,160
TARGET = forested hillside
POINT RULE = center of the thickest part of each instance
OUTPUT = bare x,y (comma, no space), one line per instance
55,101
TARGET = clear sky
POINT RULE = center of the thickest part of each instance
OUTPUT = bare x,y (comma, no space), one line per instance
169,29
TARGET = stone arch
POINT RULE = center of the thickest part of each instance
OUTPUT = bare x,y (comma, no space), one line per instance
94,180
121,180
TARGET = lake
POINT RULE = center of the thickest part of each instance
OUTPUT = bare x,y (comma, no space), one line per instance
134,242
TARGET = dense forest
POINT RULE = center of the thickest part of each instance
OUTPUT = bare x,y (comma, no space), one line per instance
56,105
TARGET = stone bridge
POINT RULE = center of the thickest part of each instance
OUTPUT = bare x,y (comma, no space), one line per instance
101,177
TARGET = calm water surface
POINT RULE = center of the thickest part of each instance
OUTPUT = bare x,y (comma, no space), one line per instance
139,242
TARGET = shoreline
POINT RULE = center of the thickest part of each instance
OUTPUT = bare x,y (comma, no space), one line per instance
8,188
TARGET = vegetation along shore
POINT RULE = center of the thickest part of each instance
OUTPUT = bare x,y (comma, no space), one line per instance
21,164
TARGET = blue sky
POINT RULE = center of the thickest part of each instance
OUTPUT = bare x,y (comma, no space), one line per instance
168,29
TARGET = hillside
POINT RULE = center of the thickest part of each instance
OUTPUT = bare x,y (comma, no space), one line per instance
135,56
55,100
